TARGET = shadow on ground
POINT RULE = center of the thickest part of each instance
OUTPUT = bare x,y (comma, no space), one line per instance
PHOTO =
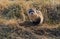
27,24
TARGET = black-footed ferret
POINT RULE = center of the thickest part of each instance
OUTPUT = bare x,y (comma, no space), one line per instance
35,16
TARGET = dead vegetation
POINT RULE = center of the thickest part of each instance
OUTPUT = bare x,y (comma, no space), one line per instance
13,12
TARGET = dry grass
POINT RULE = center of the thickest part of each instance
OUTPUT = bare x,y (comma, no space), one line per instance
13,12
25,5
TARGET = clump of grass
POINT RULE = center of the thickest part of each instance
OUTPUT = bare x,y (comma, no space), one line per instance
2,21
53,14
12,11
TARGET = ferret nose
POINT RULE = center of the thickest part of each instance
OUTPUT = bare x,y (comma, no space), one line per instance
31,13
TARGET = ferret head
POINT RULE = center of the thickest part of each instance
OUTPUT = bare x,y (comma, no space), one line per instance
31,11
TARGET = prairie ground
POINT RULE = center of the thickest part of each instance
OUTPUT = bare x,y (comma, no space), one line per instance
13,12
